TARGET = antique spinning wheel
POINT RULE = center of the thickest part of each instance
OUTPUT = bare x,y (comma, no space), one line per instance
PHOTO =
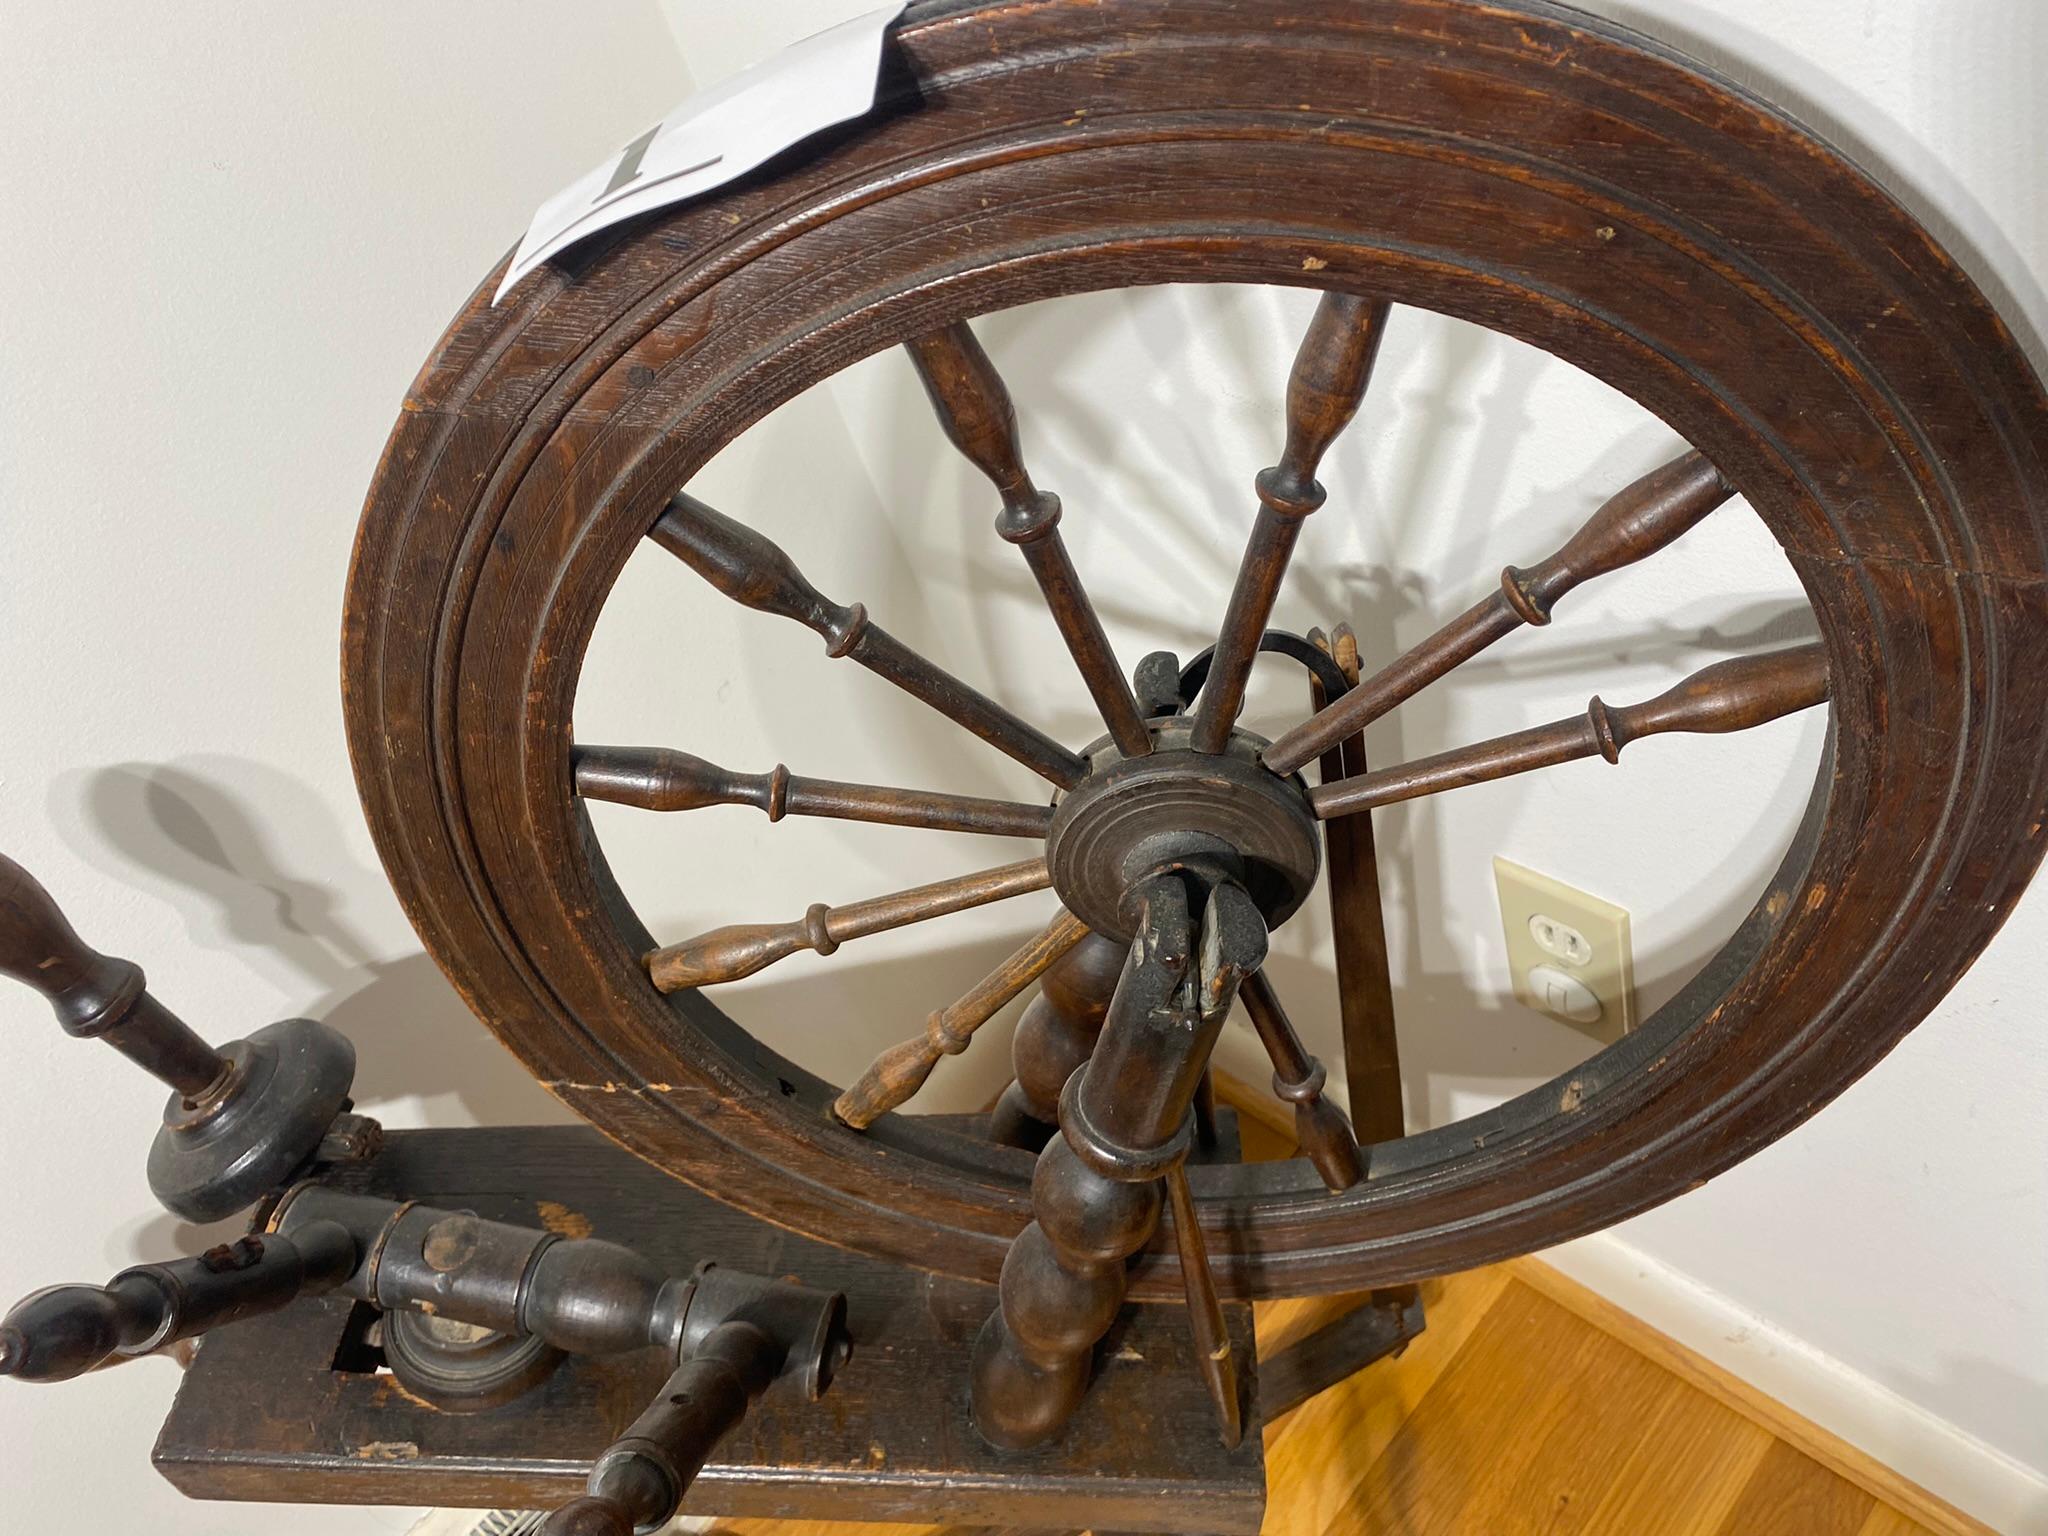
1514,164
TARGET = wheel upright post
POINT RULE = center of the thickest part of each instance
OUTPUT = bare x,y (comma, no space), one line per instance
1125,1124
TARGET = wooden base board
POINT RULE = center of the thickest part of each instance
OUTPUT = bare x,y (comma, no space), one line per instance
265,1414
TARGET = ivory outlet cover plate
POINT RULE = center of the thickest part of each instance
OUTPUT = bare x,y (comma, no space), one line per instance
1554,927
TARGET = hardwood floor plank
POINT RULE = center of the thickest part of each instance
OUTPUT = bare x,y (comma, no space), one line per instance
1320,1453
1523,1434
1886,1521
1830,1450
1686,1470
1515,1416
1791,1494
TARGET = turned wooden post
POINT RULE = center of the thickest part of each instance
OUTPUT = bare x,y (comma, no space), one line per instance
240,1119
662,779
1125,1124
757,573
740,949
1629,527
1055,1035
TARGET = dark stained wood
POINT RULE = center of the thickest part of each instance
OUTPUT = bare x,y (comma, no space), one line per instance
1055,1035
901,1070
265,1414
1630,526
1381,1325
755,572
1358,933
727,954
1727,696
1319,1125
1124,1126
975,408
663,779
63,1331
96,996
1699,253
1323,393
240,1118
1063,1281
1214,1356
1207,1125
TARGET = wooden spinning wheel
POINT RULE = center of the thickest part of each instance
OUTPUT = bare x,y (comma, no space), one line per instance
1517,165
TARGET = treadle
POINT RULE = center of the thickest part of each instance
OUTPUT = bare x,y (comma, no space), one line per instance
264,1414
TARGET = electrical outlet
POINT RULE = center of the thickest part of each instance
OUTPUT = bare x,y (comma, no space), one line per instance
1567,951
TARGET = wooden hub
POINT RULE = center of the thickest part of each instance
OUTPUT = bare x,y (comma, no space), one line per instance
1133,815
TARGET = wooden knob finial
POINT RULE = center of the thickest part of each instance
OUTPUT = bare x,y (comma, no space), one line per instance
96,996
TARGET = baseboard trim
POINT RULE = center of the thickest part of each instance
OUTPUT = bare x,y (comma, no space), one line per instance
1894,1449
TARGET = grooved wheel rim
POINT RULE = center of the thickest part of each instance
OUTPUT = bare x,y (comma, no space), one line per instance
1522,167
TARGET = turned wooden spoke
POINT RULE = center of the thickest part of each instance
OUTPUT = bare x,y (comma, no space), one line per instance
1319,1126
757,573
975,409
1358,931
901,1070
662,779
1630,526
1323,393
727,954
1727,696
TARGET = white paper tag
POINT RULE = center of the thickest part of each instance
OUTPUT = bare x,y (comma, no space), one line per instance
717,135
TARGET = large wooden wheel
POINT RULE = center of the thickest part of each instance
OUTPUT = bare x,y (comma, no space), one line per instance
1515,164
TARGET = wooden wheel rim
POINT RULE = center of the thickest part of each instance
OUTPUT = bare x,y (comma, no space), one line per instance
1554,178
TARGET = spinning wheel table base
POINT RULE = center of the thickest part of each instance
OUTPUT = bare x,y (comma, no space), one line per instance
265,1413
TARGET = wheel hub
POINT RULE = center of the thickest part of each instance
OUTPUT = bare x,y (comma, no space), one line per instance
1132,816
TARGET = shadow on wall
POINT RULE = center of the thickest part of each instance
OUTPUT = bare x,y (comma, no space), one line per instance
255,863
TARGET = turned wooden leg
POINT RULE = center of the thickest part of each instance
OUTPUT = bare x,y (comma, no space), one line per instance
1125,1122
1054,1037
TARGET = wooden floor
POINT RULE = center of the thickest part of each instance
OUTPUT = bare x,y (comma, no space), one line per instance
1517,1412
1531,1407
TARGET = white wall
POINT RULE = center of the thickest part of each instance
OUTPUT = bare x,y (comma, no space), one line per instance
229,237
240,243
